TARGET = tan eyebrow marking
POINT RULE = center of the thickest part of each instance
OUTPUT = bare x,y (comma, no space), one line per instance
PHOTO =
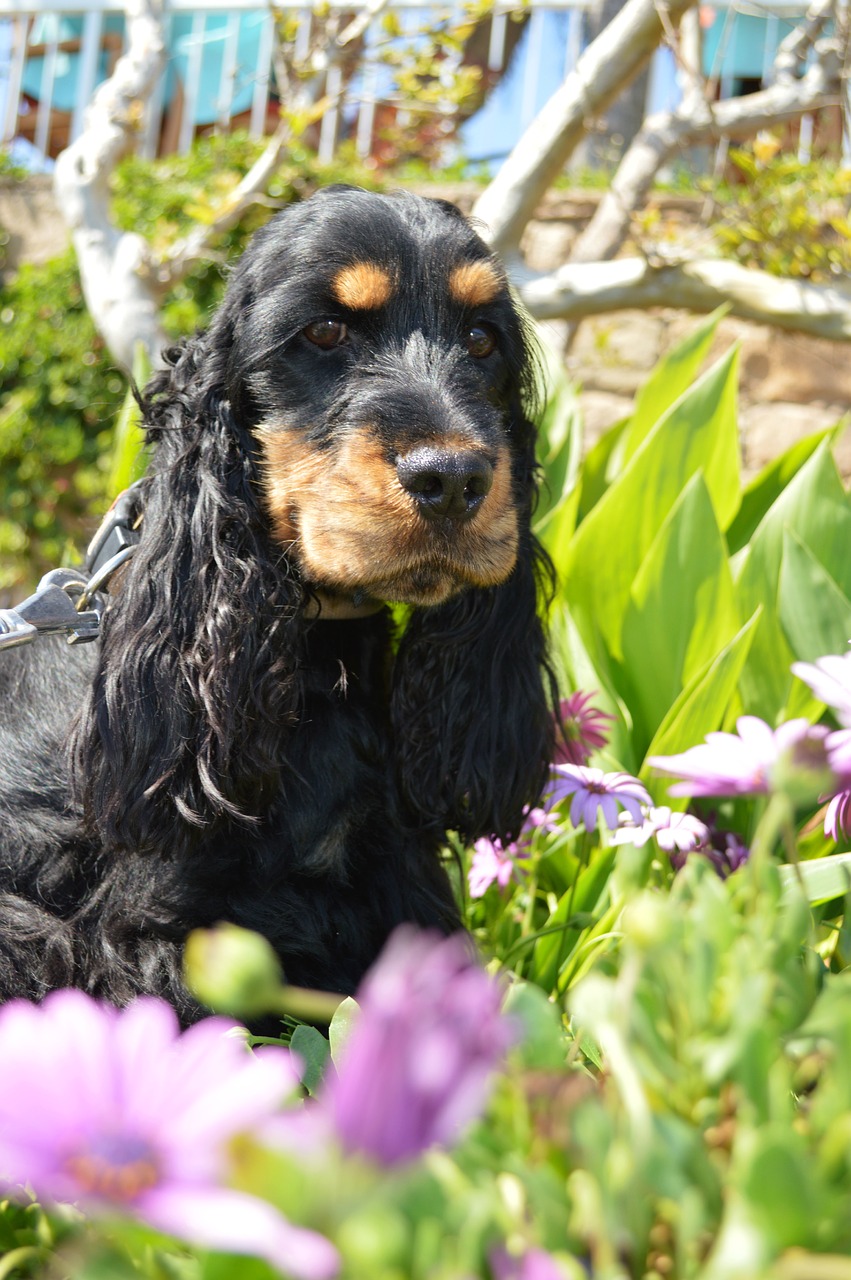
363,286
474,283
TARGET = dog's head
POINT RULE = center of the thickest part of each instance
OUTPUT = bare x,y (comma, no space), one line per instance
378,356
349,430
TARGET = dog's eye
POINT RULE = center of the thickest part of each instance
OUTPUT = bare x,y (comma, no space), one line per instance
480,340
326,333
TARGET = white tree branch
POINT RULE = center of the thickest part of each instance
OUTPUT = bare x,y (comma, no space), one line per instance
608,64
695,121
582,289
177,260
114,265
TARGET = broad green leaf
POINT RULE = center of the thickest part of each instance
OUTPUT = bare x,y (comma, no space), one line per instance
816,507
598,465
781,1186
542,1043
814,613
129,458
557,527
560,440
313,1049
701,707
698,432
551,951
671,377
341,1027
823,878
765,488
576,670
682,609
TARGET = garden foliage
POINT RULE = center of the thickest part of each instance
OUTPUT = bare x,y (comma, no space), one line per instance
669,1094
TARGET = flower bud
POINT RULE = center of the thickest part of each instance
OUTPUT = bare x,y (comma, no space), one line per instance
233,971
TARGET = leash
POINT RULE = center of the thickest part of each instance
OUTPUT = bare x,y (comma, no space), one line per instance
71,602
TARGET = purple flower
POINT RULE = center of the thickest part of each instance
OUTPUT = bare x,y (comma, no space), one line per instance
830,680
838,746
539,818
418,1062
680,832
534,1264
837,820
751,762
593,791
492,863
724,849
585,729
117,1111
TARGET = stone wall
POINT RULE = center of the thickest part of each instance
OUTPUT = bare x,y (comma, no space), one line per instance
30,221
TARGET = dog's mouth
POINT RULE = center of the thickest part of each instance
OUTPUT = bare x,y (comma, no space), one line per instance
425,584
360,537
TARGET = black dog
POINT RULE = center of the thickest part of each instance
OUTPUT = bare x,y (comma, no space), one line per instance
249,740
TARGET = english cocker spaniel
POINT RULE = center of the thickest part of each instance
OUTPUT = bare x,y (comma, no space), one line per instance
256,736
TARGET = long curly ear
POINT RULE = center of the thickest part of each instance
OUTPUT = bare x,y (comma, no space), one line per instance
473,701
197,676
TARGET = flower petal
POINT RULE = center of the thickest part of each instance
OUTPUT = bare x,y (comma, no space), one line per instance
238,1223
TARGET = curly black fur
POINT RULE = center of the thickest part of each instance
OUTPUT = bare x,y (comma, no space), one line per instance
227,754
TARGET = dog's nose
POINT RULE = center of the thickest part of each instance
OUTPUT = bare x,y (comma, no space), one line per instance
445,482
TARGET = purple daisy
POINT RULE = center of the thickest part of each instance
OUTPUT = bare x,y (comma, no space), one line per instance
595,792
680,832
419,1061
830,680
837,820
585,729
750,762
116,1110
492,863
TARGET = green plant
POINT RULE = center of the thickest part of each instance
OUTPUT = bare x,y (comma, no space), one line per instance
58,396
787,216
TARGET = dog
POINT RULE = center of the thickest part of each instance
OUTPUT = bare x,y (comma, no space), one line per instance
257,735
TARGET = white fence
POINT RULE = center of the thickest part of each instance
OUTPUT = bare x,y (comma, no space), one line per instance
221,67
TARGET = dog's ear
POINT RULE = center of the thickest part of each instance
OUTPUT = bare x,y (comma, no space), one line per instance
473,703
196,682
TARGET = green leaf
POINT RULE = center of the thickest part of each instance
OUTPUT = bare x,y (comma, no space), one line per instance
341,1027
781,1186
551,951
682,608
598,466
701,706
557,527
815,506
129,457
542,1043
813,611
576,670
670,378
823,879
559,441
313,1049
765,488
698,432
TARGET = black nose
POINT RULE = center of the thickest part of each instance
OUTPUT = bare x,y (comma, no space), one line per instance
445,482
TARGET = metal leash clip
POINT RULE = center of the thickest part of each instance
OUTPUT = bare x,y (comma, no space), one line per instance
53,609
71,602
